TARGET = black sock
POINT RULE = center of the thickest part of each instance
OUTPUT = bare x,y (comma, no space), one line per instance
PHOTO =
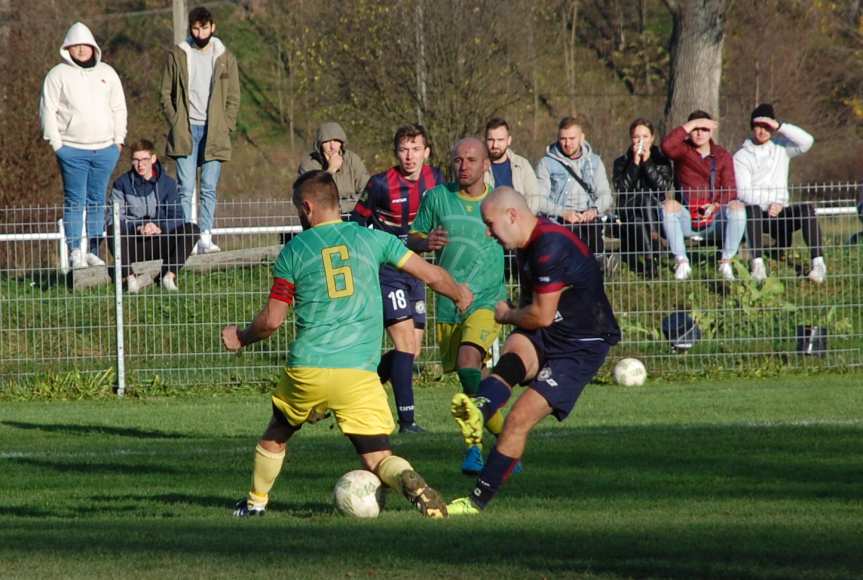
498,467
402,377
384,366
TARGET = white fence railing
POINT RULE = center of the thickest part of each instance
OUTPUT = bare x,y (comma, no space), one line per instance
84,324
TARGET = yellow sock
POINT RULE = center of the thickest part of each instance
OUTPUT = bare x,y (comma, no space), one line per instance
268,465
495,423
391,469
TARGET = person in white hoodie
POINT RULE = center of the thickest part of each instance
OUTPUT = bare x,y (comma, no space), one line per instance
83,116
761,171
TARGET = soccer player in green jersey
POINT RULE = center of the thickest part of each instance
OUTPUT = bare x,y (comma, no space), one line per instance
330,274
450,223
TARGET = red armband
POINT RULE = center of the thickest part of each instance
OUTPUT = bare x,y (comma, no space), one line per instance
282,290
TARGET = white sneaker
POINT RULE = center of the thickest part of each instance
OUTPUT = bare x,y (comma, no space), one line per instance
759,270
77,260
169,283
206,245
819,270
683,270
93,260
133,286
726,271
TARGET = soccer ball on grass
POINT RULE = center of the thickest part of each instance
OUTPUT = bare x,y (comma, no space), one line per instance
630,372
359,494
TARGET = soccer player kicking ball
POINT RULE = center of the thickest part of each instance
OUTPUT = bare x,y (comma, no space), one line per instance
564,329
330,274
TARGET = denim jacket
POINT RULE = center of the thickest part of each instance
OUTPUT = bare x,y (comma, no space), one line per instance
561,191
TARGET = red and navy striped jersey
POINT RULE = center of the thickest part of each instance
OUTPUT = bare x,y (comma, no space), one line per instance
556,259
390,202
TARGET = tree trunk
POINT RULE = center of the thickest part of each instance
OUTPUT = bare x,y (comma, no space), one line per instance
419,27
181,21
570,17
696,58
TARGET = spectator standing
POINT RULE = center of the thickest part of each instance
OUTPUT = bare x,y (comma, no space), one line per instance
83,115
761,170
200,93
151,219
573,185
706,202
507,167
390,203
641,177
332,155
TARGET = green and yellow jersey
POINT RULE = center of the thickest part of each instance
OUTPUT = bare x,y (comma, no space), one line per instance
332,273
470,256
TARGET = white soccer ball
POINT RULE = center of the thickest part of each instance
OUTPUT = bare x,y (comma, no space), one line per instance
359,494
630,372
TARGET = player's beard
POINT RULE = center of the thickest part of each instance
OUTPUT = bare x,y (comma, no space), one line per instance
495,156
304,221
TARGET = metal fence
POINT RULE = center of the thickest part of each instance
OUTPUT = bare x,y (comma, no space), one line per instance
82,325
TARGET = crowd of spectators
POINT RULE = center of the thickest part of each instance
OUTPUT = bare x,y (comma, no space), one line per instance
682,187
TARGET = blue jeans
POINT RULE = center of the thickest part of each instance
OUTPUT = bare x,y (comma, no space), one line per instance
729,227
85,183
187,169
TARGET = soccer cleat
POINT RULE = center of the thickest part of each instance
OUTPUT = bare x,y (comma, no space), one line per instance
473,462
462,506
683,270
759,270
726,271
410,428
77,260
469,419
133,286
93,260
818,273
244,509
427,500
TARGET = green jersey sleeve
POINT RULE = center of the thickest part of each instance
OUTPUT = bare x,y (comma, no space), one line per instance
284,264
425,219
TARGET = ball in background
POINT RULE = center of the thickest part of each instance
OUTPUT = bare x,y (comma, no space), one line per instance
630,372
359,494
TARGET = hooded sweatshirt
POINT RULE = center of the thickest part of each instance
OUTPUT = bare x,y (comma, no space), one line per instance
560,191
761,171
82,107
352,176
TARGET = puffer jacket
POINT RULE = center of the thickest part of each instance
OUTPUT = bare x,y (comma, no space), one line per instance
147,200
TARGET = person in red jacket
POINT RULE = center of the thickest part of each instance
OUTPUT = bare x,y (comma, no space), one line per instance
705,202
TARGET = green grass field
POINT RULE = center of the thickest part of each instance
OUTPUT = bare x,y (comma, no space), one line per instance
734,479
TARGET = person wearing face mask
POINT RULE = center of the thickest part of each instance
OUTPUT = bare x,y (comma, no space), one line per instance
200,97
331,154
641,177
83,115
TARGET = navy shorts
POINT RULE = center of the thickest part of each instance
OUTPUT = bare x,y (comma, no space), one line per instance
404,298
561,379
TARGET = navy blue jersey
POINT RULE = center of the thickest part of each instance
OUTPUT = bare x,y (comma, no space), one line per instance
390,202
556,259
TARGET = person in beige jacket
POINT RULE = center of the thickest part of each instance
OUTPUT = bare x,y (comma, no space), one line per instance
507,168
331,154
200,93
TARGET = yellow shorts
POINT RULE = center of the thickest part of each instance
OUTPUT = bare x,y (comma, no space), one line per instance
480,329
355,397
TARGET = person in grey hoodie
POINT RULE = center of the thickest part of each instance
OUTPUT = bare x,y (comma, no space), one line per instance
332,155
83,115
573,185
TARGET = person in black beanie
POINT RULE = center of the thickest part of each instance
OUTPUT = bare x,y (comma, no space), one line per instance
761,170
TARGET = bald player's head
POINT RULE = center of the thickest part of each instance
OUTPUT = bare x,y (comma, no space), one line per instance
470,161
508,217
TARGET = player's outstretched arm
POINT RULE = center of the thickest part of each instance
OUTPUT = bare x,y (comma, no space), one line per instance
439,280
540,313
268,321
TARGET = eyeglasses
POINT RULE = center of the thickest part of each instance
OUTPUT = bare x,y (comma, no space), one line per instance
140,160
